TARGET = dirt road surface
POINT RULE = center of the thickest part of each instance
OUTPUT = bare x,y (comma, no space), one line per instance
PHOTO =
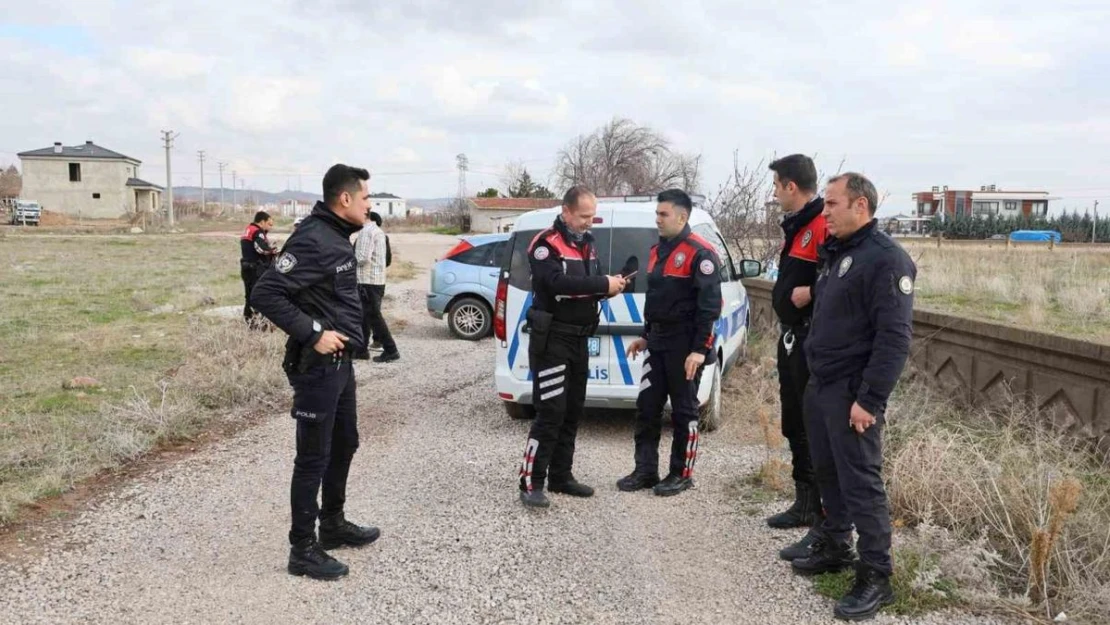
203,540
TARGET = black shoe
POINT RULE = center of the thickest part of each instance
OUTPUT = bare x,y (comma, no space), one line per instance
805,547
868,595
309,558
673,485
830,557
339,532
806,510
387,357
637,481
571,487
361,356
534,499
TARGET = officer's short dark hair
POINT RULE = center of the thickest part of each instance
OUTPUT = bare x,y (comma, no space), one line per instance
342,178
677,197
796,168
859,186
376,218
261,216
575,193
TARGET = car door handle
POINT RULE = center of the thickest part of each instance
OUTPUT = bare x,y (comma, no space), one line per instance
495,274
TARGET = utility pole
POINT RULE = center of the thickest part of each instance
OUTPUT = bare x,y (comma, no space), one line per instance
1094,225
221,165
167,140
200,155
233,194
463,164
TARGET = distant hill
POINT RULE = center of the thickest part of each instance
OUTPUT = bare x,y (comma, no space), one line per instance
192,194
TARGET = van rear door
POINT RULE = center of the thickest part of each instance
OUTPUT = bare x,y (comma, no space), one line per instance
633,235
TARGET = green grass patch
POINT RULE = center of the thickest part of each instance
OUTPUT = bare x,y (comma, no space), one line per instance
918,589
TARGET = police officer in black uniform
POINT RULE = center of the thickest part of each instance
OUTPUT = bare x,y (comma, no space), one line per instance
312,294
255,256
857,347
804,230
682,308
567,284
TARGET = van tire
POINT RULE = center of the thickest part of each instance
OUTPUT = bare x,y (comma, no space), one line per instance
709,415
520,411
470,319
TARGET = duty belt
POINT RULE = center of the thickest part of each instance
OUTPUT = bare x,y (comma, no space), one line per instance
571,329
789,334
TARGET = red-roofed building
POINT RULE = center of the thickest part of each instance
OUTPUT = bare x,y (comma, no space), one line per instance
497,214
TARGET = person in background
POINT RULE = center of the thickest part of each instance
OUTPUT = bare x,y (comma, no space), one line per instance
256,255
371,249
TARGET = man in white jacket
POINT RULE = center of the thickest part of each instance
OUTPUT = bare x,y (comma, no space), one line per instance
370,252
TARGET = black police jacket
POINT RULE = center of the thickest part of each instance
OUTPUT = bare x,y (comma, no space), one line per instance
683,300
254,246
863,314
312,286
566,277
804,232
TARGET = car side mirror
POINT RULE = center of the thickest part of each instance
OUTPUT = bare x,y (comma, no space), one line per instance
748,268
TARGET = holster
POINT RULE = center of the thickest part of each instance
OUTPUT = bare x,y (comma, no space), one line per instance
539,329
300,358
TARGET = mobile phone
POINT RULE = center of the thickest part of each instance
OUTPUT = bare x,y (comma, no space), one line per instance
626,277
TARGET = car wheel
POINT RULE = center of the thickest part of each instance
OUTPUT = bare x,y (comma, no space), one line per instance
520,411
709,415
469,319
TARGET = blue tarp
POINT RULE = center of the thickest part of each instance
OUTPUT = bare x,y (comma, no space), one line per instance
1035,235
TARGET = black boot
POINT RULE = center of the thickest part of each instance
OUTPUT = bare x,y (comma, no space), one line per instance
534,499
806,509
673,485
387,356
830,557
637,481
805,547
309,558
338,532
868,595
571,487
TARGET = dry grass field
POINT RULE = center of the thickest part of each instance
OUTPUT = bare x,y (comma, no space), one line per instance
1063,291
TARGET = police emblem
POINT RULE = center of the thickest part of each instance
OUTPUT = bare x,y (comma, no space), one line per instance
845,265
541,252
706,267
807,237
285,263
679,259
905,285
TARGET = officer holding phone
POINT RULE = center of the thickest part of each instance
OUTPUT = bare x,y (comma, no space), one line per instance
567,284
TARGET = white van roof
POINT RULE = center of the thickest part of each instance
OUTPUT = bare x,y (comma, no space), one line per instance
619,212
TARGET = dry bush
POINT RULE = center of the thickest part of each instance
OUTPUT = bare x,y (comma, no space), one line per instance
1036,500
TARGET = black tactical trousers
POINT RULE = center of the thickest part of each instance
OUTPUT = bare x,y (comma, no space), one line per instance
249,272
373,323
327,437
664,375
559,375
849,467
793,378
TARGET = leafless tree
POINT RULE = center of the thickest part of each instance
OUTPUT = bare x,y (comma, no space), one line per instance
11,182
625,158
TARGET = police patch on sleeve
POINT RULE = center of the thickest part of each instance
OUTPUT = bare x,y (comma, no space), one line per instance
707,267
285,263
905,285
541,252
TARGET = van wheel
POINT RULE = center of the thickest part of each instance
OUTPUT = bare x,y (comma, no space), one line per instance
520,411
469,319
709,415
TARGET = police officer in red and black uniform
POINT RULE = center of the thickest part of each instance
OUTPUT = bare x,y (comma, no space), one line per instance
858,344
683,305
804,232
567,284
255,256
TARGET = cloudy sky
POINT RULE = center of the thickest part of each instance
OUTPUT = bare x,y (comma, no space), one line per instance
962,93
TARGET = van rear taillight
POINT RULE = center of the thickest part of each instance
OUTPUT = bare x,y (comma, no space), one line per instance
458,249
499,304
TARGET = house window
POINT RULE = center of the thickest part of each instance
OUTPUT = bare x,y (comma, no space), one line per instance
75,172
960,206
1011,205
391,209
96,196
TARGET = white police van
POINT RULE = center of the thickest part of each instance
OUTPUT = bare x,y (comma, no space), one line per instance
623,227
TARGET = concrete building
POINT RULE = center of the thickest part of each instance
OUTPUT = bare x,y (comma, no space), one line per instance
988,200
388,205
87,181
497,214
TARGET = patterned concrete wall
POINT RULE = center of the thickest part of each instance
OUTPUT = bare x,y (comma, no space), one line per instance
1068,379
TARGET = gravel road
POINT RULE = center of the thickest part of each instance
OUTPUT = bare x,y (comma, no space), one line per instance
204,539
